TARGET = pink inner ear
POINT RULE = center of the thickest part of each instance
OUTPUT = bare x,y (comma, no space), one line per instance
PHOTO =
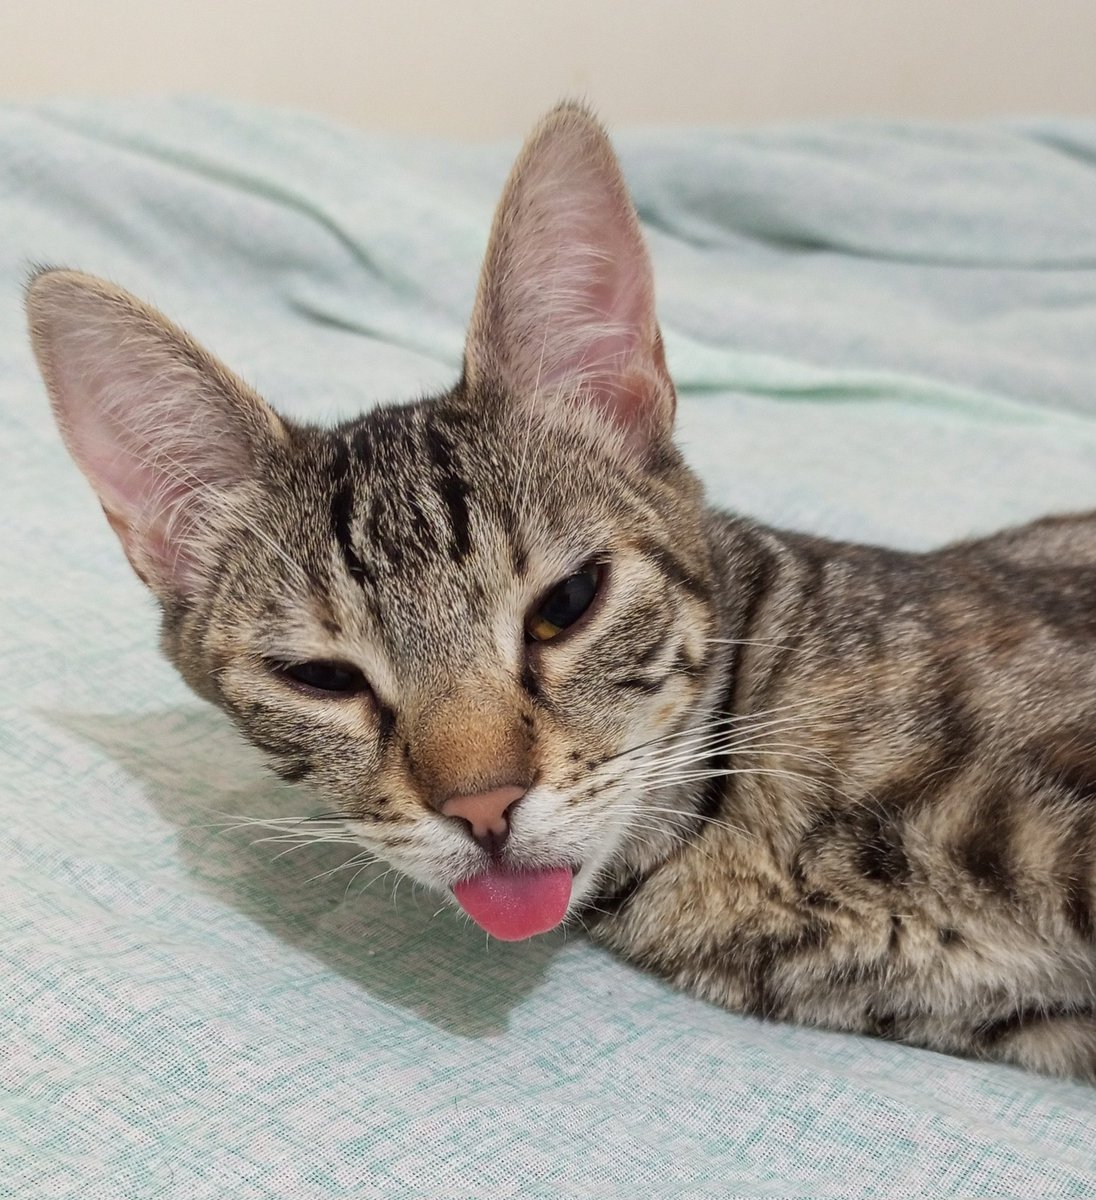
622,373
566,303
147,509
599,331
607,347
160,429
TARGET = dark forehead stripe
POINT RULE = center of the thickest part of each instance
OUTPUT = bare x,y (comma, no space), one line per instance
382,518
293,772
377,447
377,441
453,489
342,510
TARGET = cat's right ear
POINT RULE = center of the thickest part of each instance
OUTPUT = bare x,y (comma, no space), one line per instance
565,312
164,433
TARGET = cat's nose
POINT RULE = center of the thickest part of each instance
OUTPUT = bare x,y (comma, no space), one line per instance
485,813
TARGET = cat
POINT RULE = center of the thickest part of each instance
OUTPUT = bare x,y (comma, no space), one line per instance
500,631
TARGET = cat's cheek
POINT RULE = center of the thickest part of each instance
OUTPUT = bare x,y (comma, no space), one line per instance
568,827
423,860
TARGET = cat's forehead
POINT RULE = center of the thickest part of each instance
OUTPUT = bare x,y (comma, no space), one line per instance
417,491
433,484
433,519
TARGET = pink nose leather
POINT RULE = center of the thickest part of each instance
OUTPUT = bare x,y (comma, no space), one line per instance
485,812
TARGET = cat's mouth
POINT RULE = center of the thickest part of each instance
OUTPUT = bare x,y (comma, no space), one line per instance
512,904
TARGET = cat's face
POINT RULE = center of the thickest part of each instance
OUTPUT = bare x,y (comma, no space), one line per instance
507,606
462,621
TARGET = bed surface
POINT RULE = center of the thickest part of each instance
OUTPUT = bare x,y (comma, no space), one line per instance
878,331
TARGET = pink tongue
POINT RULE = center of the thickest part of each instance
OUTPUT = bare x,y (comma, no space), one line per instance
512,905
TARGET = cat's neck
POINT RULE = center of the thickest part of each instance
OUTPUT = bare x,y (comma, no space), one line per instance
754,717
744,570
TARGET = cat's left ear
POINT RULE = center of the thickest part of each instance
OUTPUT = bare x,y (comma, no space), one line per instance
565,312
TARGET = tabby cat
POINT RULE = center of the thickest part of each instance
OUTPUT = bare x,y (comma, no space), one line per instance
502,634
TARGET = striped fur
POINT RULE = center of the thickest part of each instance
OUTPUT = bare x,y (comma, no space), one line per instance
810,781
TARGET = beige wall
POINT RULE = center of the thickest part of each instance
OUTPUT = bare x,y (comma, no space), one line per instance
480,68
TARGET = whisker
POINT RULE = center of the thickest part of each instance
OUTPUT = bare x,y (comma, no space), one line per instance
653,828
369,883
238,821
309,842
705,767
716,822
719,641
701,776
724,742
694,743
685,818
730,721
364,857
757,744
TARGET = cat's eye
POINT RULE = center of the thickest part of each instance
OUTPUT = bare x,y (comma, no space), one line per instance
324,677
565,604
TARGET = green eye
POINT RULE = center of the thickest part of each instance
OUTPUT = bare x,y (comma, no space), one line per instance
564,604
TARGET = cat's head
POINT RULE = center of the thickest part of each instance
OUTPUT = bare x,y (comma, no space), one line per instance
462,620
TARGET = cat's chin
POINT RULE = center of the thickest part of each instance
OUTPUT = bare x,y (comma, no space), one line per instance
513,905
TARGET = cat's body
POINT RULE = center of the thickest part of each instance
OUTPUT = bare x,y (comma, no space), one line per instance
502,634
912,841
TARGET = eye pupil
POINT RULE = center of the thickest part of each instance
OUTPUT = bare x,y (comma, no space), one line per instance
564,604
320,676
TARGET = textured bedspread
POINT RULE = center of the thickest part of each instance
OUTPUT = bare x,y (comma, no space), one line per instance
880,331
